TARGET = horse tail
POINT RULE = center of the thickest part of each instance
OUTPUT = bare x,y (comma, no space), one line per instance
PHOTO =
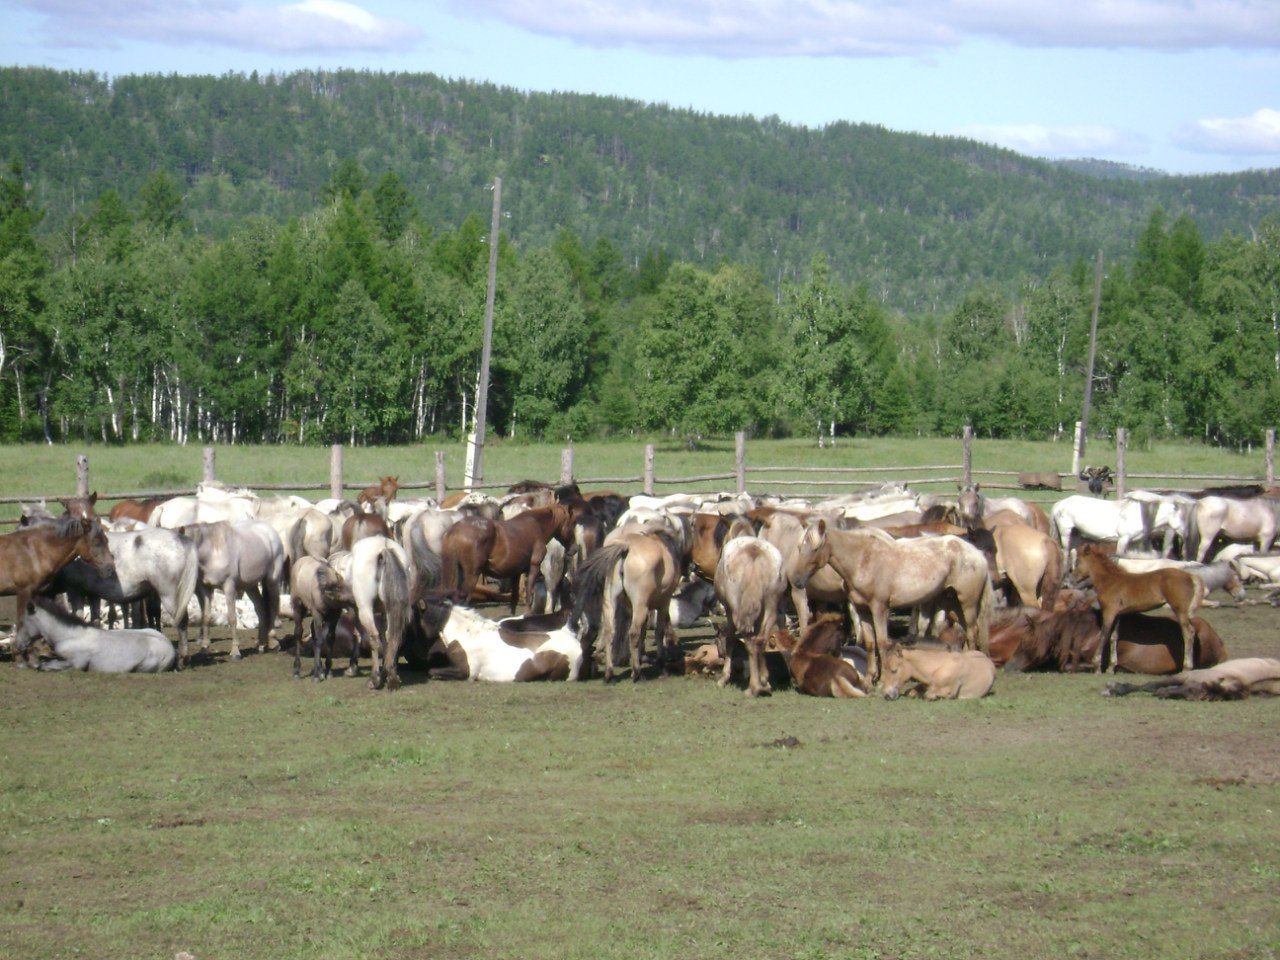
982,625
297,539
428,568
393,590
1051,578
589,583
187,578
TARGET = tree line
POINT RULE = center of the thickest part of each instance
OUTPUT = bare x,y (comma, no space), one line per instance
357,322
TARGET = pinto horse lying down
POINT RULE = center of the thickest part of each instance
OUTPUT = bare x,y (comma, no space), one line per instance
1233,680
540,647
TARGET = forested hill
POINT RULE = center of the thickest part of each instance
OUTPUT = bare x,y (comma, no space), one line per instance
918,219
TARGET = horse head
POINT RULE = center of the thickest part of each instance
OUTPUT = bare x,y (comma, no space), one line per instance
894,671
812,553
92,546
969,504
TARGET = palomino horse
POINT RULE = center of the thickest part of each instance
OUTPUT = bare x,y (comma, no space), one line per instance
385,488
377,569
31,556
1122,592
315,588
938,674
504,549
973,505
1250,520
618,587
516,649
749,582
815,662
805,560
1031,562
79,646
881,573
238,556
1232,680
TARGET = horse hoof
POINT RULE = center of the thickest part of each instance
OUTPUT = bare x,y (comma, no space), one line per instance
722,683
352,671
393,683
236,655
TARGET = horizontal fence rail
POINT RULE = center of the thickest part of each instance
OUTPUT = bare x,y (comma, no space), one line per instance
812,481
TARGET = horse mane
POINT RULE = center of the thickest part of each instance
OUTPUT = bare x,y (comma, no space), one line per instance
66,526
528,486
58,612
568,493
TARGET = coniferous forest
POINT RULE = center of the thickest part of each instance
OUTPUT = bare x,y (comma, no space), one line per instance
302,258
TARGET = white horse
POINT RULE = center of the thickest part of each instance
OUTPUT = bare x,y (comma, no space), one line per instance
540,647
1095,519
1252,520
378,571
248,556
79,646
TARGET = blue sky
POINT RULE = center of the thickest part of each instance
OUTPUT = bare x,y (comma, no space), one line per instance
1182,85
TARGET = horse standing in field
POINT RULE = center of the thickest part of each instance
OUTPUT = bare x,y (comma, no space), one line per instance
377,569
1122,592
31,556
749,582
504,549
317,589
1252,520
973,505
79,646
386,488
241,556
362,525
1031,562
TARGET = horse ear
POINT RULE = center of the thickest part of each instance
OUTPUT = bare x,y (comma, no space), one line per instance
93,497
822,526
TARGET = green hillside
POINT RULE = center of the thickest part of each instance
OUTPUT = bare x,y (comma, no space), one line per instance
918,219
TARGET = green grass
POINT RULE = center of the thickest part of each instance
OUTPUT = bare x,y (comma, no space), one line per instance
231,812
36,469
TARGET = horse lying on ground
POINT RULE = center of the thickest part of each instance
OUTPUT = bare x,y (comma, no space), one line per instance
815,662
937,674
79,646
1233,680
526,648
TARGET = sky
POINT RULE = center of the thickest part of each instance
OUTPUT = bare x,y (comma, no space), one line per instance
1189,86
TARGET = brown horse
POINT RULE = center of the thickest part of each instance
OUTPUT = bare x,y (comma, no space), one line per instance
361,525
385,488
82,508
1122,592
815,662
504,549
135,510
30,557
881,573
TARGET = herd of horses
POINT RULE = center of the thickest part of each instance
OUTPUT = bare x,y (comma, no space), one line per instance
984,583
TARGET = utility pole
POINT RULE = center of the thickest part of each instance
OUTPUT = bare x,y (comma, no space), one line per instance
475,456
1093,349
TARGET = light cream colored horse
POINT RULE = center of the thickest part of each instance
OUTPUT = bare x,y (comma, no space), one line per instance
802,541
749,582
1031,561
938,674
881,573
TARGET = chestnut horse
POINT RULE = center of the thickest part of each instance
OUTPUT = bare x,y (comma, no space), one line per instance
503,549
134,510
815,662
385,488
30,557
1122,592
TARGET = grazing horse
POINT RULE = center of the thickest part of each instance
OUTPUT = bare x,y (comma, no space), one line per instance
79,646
1249,520
385,488
881,573
1122,592
938,674
31,556
1232,680
377,569
618,587
1031,562
315,588
750,582
517,649
241,556
815,662
135,510
503,549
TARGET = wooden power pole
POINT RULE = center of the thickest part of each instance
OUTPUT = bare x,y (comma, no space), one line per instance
1093,349
482,389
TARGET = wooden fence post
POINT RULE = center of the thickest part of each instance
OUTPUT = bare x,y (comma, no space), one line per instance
648,469
335,471
439,476
968,455
82,476
1122,442
740,460
1271,457
566,465
207,460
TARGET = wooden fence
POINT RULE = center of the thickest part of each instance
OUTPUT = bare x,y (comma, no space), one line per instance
790,480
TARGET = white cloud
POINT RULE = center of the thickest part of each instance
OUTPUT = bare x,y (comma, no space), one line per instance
1255,135
1086,140
309,26
746,28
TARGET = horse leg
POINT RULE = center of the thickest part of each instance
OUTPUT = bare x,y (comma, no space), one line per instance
636,630
233,620
608,611
725,639
1104,658
664,636
358,638
299,611
1188,641
203,594
1207,536
800,600
879,634
254,591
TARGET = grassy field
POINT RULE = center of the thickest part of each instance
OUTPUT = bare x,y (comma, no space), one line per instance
35,469
234,813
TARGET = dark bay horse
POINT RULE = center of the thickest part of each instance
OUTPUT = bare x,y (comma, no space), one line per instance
30,557
503,549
